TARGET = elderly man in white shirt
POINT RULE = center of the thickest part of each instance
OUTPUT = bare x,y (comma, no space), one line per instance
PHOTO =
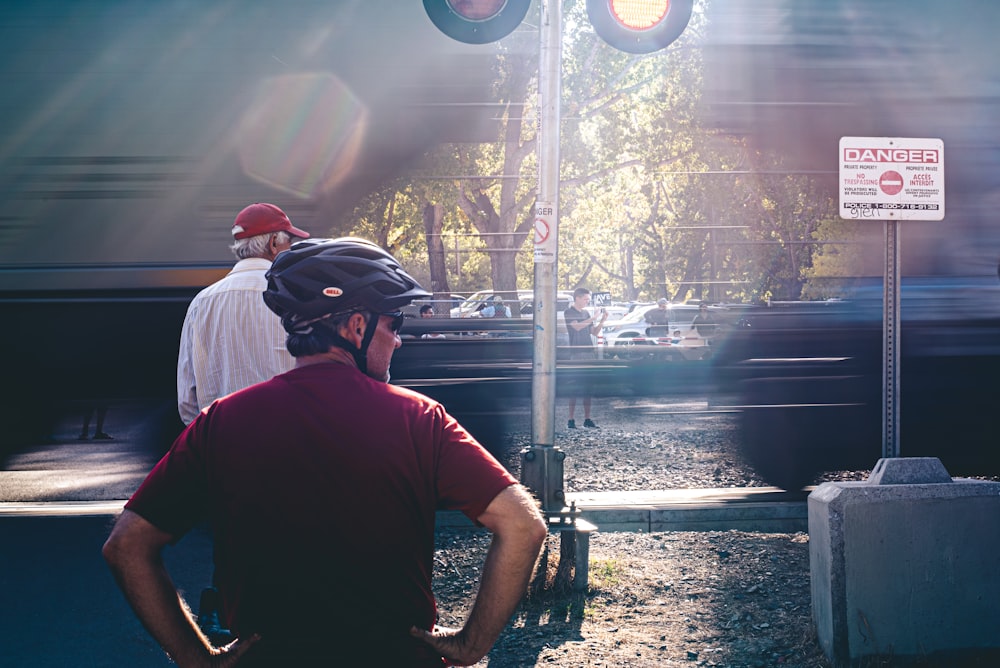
231,339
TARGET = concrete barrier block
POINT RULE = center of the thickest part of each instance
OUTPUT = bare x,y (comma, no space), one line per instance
907,569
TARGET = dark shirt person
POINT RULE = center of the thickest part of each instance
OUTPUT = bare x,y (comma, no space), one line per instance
704,323
427,311
580,326
321,487
658,320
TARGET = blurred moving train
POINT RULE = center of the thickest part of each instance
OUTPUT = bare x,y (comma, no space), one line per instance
131,133
794,76
808,380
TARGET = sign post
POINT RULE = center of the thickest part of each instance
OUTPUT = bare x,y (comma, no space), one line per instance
542,465
891,179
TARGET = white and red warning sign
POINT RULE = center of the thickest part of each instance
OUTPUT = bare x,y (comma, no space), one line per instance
545,232
889,178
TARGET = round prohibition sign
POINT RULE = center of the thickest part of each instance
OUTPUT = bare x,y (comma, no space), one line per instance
541,231
891,182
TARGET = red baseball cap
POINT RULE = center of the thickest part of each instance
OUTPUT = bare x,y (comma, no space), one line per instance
262,218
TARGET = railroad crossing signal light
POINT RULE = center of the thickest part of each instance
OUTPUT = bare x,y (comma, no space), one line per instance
476,21
635,26
639,26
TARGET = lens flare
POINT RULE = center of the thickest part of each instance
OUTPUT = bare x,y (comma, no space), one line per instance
302,133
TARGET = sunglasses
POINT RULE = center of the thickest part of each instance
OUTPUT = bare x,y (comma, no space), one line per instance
397,320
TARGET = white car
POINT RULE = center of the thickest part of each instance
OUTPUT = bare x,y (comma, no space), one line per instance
471,307
412,310
626,338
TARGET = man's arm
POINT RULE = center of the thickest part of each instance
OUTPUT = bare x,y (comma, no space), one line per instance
597,326
581,324
518,533
134,554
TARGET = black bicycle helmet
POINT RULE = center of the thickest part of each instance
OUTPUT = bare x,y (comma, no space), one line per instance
320,277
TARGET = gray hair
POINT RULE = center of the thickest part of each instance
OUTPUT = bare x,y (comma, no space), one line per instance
257,246
309,340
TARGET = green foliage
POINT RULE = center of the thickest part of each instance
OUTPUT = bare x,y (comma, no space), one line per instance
843,256
652,202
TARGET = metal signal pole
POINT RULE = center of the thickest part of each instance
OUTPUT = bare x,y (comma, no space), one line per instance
542,465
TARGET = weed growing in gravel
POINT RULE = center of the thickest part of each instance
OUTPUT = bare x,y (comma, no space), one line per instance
605,573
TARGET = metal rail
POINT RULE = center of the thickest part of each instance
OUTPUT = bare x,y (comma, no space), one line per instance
759,509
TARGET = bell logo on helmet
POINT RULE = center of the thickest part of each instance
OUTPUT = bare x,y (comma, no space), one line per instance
332,292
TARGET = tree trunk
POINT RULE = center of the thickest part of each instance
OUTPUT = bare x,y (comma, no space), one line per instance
503,272
628,274
505,225
433,215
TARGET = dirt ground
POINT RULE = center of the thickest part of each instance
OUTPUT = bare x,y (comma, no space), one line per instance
713,598
664,599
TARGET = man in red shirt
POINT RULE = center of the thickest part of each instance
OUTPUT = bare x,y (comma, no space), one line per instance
321,487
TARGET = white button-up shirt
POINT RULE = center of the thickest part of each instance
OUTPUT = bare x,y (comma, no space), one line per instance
230,339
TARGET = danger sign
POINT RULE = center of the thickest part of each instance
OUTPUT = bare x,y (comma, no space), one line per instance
888,178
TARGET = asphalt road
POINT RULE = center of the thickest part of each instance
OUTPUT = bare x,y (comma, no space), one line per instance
60,606
67,469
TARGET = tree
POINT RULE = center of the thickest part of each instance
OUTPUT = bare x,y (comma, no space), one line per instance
433,215
843,254
504,226
652,203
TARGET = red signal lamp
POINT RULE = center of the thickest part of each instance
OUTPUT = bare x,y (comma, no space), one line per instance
476,21
639,26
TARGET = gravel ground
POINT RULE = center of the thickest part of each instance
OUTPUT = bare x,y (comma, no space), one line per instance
678,598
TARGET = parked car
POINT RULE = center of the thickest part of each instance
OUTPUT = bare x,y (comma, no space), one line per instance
626,338
616,310
412,310
476,302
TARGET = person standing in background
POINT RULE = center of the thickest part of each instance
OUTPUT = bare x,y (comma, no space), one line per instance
496,309
704,323
427,311
230,339
100,409
658,319
580,326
